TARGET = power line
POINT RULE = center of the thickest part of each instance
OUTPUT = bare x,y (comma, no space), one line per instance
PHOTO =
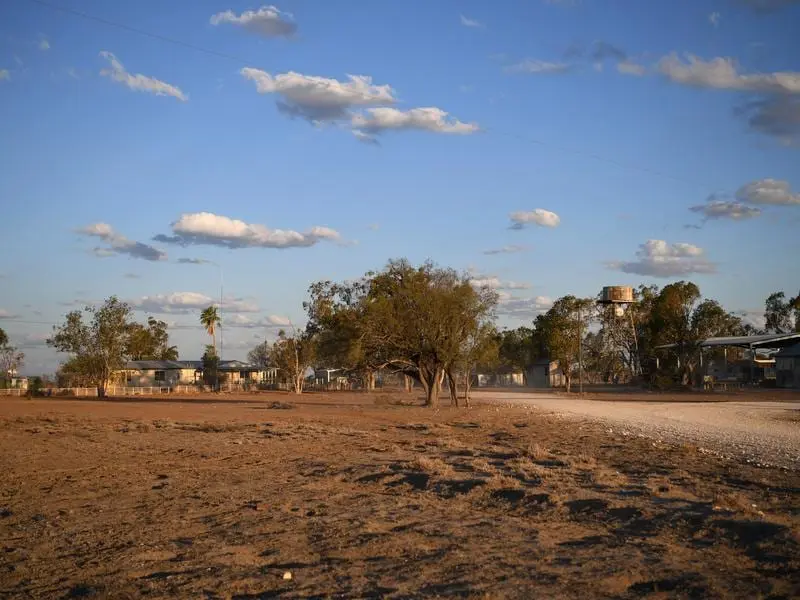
238,59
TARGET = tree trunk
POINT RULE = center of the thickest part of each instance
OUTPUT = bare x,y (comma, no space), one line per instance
430,379
451,383
408,383
567,381
298,383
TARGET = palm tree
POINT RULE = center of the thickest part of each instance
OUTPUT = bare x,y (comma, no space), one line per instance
209,318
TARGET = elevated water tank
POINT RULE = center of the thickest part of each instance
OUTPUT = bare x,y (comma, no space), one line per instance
617,294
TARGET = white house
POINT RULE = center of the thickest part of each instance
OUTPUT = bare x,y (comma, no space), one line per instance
161,373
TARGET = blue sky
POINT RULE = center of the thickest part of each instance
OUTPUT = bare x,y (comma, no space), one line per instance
594,143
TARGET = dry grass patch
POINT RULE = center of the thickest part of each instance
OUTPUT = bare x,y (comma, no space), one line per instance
433,466
537,451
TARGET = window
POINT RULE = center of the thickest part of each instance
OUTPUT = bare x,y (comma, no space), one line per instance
160,376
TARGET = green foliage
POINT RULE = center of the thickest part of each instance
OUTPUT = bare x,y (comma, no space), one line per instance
293,355
98,347
150,342
260,355
561,329
11,359
210,366
415,320
782,315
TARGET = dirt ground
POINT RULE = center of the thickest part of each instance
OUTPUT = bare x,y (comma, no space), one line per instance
358,496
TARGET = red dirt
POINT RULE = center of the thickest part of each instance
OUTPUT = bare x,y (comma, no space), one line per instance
358,497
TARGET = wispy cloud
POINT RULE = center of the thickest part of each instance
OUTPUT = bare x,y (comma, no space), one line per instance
267,21
206,228
6,314
539,67
466,22
119,244
43,45
188,302
714,18
768,191
510,249
724,209
723,73
776,116
193,261
432,119
139,82
5,75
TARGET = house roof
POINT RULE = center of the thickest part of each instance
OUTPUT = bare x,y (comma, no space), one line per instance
160,365
771,340
166,365
789,352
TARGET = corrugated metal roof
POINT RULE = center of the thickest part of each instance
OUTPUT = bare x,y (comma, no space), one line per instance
159,365
166,365
770,340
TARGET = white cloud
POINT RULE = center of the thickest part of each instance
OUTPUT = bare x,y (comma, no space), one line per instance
627,67
539,67
523,308
132,276
268,322
723,209
267,21
5,314
495,283
657,258
768,191
5,75
139,82
470,22
187,302
217,230
714,18
537,216
509,249
433,119
44,45
365,138
722,73
319,99
119,244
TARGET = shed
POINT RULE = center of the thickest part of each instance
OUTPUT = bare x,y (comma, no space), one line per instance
787,367
546,373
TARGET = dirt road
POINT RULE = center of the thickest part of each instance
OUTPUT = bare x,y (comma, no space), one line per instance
759,431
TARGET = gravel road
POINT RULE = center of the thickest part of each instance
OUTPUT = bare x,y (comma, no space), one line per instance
762,432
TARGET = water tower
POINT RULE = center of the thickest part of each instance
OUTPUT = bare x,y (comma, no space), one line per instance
621,297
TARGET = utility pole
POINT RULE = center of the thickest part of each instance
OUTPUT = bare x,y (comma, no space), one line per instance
580,351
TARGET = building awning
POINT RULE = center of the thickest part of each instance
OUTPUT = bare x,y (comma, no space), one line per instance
767,341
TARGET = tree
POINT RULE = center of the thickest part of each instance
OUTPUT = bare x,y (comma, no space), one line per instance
561,329
481,348
260,355
150,342
293,355
99,347
209,318
210,366
782,316
11,359
421,318
336,318
518,349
